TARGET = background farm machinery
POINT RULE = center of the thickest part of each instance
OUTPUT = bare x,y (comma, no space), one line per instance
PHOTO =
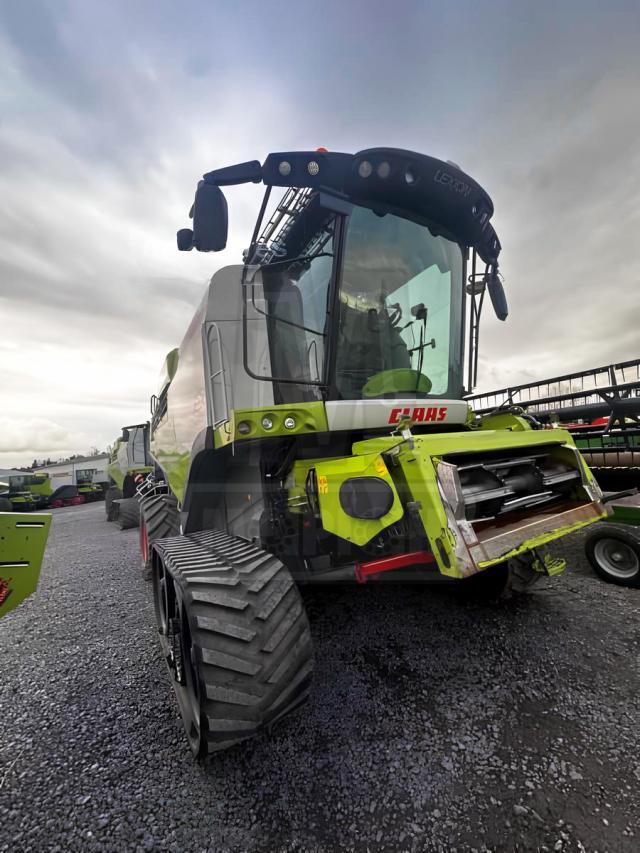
129,463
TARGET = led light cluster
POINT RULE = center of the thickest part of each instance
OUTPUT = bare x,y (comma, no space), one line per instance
285,168
383,170
267,423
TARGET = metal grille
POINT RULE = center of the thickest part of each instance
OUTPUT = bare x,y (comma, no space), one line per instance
586,388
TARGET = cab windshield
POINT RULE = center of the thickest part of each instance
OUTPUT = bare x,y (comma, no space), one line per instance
400,311
398,328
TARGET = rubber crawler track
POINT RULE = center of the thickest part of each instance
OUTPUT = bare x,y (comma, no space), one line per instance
160,516
249,633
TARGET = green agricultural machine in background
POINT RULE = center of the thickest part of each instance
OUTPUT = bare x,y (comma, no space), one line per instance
313,427
27,492
22,544
90,491
129,461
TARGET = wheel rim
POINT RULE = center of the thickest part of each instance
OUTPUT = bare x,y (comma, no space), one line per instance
162,593
192,682
616,558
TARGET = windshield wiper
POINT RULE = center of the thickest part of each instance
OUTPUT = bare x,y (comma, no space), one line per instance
299,258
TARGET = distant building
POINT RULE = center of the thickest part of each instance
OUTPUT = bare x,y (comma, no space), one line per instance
92,468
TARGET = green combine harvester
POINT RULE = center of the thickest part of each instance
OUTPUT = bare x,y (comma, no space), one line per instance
312,427
22,544
27,492
128,460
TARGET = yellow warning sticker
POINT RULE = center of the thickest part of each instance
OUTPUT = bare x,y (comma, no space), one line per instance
380,467
323,485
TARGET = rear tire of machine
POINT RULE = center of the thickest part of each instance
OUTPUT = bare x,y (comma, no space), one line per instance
112,494
128,513
614,553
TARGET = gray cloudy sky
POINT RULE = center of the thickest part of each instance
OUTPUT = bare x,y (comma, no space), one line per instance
109,112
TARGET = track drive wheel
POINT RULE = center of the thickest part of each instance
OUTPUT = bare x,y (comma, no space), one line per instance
159,519
488,584
112,494
614,553
235,635
128,513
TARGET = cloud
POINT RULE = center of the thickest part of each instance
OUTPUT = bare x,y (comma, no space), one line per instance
565,189
110,112
37,435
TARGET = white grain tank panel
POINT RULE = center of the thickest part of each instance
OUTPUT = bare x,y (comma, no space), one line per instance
136,446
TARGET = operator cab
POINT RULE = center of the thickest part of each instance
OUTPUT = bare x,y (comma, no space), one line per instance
395,326
361,272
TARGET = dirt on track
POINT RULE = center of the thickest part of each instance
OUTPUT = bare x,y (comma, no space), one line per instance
436,724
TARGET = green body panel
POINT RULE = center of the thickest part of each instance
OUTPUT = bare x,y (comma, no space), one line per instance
89,489
116,475
549,565
40,484
600,441
22,544
504,421
308,417
296,482
113,469
417,459
415,463
472,441
625,514
401,380
175,460
169,368
176,467
331,475
20,498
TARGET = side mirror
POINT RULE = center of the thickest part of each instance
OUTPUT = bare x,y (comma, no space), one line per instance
210,220
185,239
498,296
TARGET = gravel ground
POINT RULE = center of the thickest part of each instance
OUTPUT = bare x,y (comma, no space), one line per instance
436,723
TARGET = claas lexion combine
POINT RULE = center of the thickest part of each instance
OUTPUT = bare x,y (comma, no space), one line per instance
129,461
312,426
